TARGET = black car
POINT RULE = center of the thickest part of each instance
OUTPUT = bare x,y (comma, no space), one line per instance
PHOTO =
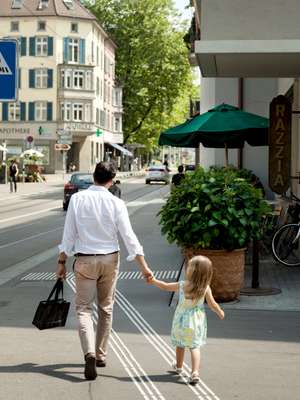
81,181
190,168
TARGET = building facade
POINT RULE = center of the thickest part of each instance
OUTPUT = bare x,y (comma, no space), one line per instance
248,54
66,83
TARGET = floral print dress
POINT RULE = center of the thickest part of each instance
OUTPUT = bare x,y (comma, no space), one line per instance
189,328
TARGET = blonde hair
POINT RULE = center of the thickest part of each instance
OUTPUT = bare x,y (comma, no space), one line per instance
198,276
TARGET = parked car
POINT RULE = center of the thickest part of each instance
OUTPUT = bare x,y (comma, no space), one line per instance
81,181
189,168
157,173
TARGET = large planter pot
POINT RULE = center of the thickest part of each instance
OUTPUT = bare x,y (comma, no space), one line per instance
228,271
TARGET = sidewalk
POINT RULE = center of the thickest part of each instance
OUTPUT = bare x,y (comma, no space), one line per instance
56,181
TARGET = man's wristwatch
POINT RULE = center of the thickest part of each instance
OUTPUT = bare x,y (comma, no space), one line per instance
62,262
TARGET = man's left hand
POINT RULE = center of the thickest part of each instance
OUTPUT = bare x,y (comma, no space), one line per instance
61,271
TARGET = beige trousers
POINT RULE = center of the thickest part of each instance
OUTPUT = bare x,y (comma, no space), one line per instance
96,278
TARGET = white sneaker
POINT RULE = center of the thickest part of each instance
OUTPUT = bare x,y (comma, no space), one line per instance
194,378
176,369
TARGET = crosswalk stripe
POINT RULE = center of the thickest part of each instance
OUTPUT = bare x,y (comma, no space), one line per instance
123,275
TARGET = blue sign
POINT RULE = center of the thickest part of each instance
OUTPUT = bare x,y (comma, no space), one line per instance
8,70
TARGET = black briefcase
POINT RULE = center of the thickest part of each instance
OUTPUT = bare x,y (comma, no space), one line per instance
52,313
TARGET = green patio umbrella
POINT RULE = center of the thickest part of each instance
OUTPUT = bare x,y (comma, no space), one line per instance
223,126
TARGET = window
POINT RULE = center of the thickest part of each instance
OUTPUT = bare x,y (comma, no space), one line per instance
68,4
88,112
41,26
98,86
97,116
117,125
14,112
118,98
74,50
41,46
66,111
66,79
74,27
17,4
97,55
14,26
77,112
41,111
43,4
41,78
92,51
102,118
89,80
78,81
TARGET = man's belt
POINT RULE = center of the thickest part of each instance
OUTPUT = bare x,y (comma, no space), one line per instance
94,255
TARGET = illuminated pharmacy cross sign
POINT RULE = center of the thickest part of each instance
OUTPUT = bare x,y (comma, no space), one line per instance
4,68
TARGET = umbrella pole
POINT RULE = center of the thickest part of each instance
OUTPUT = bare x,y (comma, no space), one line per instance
226,155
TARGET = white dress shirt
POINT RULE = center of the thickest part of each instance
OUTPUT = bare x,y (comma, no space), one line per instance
94,218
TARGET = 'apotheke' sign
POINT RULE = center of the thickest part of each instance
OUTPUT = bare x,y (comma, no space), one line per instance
280,144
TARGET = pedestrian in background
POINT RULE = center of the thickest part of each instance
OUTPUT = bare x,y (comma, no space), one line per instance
189,326
94,218
177,178
13,173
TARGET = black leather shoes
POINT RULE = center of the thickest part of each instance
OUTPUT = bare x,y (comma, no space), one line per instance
90,371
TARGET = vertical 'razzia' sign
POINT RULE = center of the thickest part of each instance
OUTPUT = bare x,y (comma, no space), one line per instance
280,144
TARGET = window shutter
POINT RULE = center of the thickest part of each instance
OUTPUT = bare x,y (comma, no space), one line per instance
50,78
82,51
23,46
23,111
31,111
66,50
50,46
32,78
19,78
32,46
4,111
49,111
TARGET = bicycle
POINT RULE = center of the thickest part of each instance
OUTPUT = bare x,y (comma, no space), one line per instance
286,240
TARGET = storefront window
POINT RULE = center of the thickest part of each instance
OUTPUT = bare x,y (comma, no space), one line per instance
46,151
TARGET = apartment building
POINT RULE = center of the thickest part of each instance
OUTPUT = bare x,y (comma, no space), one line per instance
248,53
66,83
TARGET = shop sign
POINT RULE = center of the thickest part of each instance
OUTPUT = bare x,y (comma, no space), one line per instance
14,131
78,126
280,144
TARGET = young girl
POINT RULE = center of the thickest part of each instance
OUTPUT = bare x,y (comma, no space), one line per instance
189,323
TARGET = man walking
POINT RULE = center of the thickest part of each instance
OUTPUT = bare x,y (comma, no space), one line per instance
13,173
94,218
177,178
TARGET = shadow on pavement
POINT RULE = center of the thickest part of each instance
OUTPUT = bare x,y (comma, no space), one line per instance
54,370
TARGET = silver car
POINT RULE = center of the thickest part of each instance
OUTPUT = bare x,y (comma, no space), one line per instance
157,173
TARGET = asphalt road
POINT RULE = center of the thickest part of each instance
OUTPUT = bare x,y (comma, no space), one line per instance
249,355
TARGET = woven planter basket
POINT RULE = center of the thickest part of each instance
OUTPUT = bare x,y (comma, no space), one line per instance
228,271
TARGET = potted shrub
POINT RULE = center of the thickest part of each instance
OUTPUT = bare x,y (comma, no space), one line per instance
216,213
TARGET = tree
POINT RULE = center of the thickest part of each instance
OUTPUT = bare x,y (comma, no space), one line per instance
151,64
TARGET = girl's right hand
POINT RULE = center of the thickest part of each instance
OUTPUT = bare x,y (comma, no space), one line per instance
221,314
150,280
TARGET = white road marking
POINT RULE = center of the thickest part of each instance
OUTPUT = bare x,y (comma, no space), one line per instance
30,237
160,345
129,362
30,214
123,275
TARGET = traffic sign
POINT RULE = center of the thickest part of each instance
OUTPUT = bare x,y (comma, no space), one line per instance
29,139
62,147
8,70
64,137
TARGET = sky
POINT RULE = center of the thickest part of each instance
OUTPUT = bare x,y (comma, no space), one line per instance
181,4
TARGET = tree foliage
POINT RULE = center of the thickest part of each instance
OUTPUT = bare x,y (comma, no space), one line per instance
151,64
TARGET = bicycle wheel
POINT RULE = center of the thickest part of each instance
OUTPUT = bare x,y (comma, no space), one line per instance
285,245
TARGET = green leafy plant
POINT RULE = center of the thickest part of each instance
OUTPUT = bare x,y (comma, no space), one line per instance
214,209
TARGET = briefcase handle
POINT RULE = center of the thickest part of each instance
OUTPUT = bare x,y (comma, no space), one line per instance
57,289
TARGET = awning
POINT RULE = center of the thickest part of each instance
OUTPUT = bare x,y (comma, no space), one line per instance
121,149
248,58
